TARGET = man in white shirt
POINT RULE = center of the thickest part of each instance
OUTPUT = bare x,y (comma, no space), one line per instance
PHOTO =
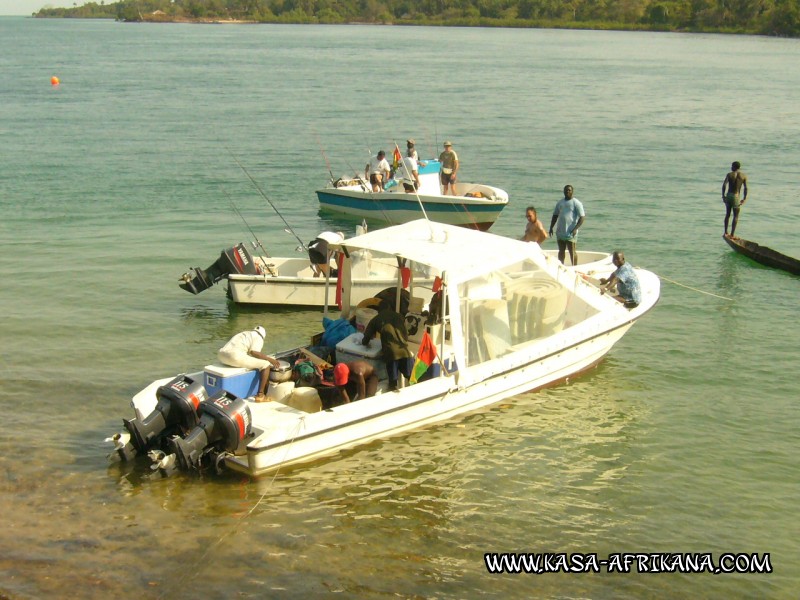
409,174
244,350
377,171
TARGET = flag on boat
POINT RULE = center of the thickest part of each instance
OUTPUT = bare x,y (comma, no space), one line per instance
398,159
425,358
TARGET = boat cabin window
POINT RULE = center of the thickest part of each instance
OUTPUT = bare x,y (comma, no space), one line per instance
510,307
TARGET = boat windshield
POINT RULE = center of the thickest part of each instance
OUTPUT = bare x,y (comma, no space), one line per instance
507,308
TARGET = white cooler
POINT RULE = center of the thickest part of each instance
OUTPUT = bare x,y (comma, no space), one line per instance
351,348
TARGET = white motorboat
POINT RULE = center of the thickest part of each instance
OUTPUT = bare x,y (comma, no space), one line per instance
291,281
506,319
476,205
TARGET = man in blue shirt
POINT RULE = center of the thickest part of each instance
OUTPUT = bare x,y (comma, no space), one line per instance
628,290
567,218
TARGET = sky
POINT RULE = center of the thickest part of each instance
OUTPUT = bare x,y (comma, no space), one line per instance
27,7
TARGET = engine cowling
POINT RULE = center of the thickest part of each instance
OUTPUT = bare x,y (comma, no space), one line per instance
225,421
175,412
238,260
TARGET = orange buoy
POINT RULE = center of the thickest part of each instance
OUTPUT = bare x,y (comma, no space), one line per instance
54,80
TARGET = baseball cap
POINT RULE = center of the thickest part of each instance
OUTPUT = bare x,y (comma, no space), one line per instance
341,373
448,143
410,141
261,331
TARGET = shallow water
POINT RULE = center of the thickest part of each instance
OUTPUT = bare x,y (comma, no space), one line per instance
113,184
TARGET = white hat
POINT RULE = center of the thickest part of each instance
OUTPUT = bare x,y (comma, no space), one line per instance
261,331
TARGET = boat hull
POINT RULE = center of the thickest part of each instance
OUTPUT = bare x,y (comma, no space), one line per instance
396,208
297,441
763,255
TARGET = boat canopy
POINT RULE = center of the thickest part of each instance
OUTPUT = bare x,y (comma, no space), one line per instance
461,253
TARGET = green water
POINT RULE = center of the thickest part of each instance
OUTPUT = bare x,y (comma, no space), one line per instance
114,183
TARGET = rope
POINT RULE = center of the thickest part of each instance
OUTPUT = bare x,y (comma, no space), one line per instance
195,567
694,289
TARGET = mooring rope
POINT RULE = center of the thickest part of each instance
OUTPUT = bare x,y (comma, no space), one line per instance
195,567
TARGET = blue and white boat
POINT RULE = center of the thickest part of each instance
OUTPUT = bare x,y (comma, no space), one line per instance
476,205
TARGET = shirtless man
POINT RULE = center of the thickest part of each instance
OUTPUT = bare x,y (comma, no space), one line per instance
359,374
534,230
734,182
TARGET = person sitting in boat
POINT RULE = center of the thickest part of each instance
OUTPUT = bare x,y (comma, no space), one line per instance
534,230
356,378
449,160
734,183
318,253
409,174
391,326
377,171
626,281
244,350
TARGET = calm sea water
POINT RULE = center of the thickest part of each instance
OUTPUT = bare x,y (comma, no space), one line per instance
685,438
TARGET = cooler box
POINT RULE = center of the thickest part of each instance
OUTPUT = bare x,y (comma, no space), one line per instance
238,381
351,348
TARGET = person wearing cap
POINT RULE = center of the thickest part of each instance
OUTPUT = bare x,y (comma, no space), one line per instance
411,151
318,253
357,377
244,350
377,171
449,160
734,183
409,174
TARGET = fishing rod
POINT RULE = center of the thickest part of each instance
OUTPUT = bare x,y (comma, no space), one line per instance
288,228
324,156
257,242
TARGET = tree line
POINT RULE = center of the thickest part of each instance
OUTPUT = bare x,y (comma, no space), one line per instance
761,17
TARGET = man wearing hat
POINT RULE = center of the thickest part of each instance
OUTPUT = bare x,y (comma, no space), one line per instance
244,350
411,151
357,377
449,160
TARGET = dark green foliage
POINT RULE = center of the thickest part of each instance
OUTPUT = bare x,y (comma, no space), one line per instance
767,17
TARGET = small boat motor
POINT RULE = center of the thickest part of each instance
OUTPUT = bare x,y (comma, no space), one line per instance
238,260
225,421
176,410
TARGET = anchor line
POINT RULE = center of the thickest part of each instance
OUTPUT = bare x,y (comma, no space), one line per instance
693,289
235,527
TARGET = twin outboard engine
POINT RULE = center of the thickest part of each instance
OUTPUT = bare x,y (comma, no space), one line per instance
225,421
236,260
175,412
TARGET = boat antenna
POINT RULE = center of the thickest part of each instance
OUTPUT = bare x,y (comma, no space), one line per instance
288,228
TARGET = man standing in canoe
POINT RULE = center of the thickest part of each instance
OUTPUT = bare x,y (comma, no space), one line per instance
734,183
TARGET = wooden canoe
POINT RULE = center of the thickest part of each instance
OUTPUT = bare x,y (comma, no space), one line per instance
765,256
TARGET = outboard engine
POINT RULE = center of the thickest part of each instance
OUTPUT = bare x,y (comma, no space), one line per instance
236,260
224,422
176,410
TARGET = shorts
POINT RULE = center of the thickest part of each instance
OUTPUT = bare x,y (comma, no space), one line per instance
317,257
410,187
243,360
376,179
732,201
447,177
